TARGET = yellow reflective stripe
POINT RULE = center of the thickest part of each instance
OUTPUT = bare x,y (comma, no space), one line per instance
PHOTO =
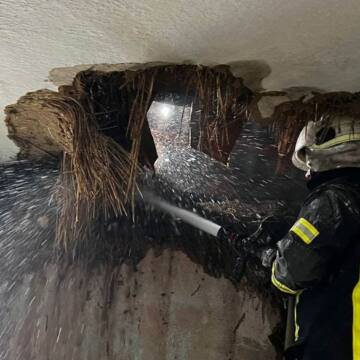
305,230
309,226
338,140
297,327
279,285
301,235
356,321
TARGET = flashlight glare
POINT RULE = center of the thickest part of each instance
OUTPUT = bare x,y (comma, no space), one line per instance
165,110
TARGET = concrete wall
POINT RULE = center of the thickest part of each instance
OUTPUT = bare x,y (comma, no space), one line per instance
168,309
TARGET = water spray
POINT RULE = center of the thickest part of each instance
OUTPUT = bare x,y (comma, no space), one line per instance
187,216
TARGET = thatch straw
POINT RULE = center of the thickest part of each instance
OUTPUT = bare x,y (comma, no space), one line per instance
100,166
290,117
95,172
98,127
219,101
103,171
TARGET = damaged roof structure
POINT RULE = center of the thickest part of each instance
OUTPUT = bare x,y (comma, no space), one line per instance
88,269
94,137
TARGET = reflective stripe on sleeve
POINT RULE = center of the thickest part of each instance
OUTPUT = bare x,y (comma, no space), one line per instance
279,285
305,230
356,321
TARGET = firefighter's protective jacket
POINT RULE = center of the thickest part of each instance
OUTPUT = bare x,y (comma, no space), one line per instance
318,262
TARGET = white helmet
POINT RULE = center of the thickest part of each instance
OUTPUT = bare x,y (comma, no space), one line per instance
328,144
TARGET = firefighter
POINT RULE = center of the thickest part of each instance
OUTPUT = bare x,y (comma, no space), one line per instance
317,262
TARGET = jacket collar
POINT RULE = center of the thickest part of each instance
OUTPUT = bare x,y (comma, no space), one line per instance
347,175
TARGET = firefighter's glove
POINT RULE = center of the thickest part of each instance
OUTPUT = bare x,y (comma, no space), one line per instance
232,239
268,256
262,243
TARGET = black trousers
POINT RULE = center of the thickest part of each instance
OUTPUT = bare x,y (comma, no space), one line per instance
319,351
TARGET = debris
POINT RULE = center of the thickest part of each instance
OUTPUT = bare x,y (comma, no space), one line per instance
289,117
98,128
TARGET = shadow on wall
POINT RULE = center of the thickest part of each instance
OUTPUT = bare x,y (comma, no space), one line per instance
253,72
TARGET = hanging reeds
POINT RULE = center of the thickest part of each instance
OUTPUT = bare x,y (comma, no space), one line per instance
290,117
98,127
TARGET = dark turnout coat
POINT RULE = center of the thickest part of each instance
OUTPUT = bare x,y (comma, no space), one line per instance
318,263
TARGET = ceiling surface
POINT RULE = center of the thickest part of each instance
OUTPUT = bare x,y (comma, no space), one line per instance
303,43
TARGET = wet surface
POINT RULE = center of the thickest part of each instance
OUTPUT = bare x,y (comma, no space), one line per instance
254,179
40,300
27,213
246,191
250,188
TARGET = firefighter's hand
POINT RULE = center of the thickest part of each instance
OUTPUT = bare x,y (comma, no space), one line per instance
262,243
269,232
268,256
231,238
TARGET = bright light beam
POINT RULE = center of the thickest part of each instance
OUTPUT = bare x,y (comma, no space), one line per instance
165,110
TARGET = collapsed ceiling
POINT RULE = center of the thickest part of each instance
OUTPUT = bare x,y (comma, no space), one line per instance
288,44
273,45
98,128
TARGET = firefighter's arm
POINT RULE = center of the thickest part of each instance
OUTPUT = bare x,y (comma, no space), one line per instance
304,256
